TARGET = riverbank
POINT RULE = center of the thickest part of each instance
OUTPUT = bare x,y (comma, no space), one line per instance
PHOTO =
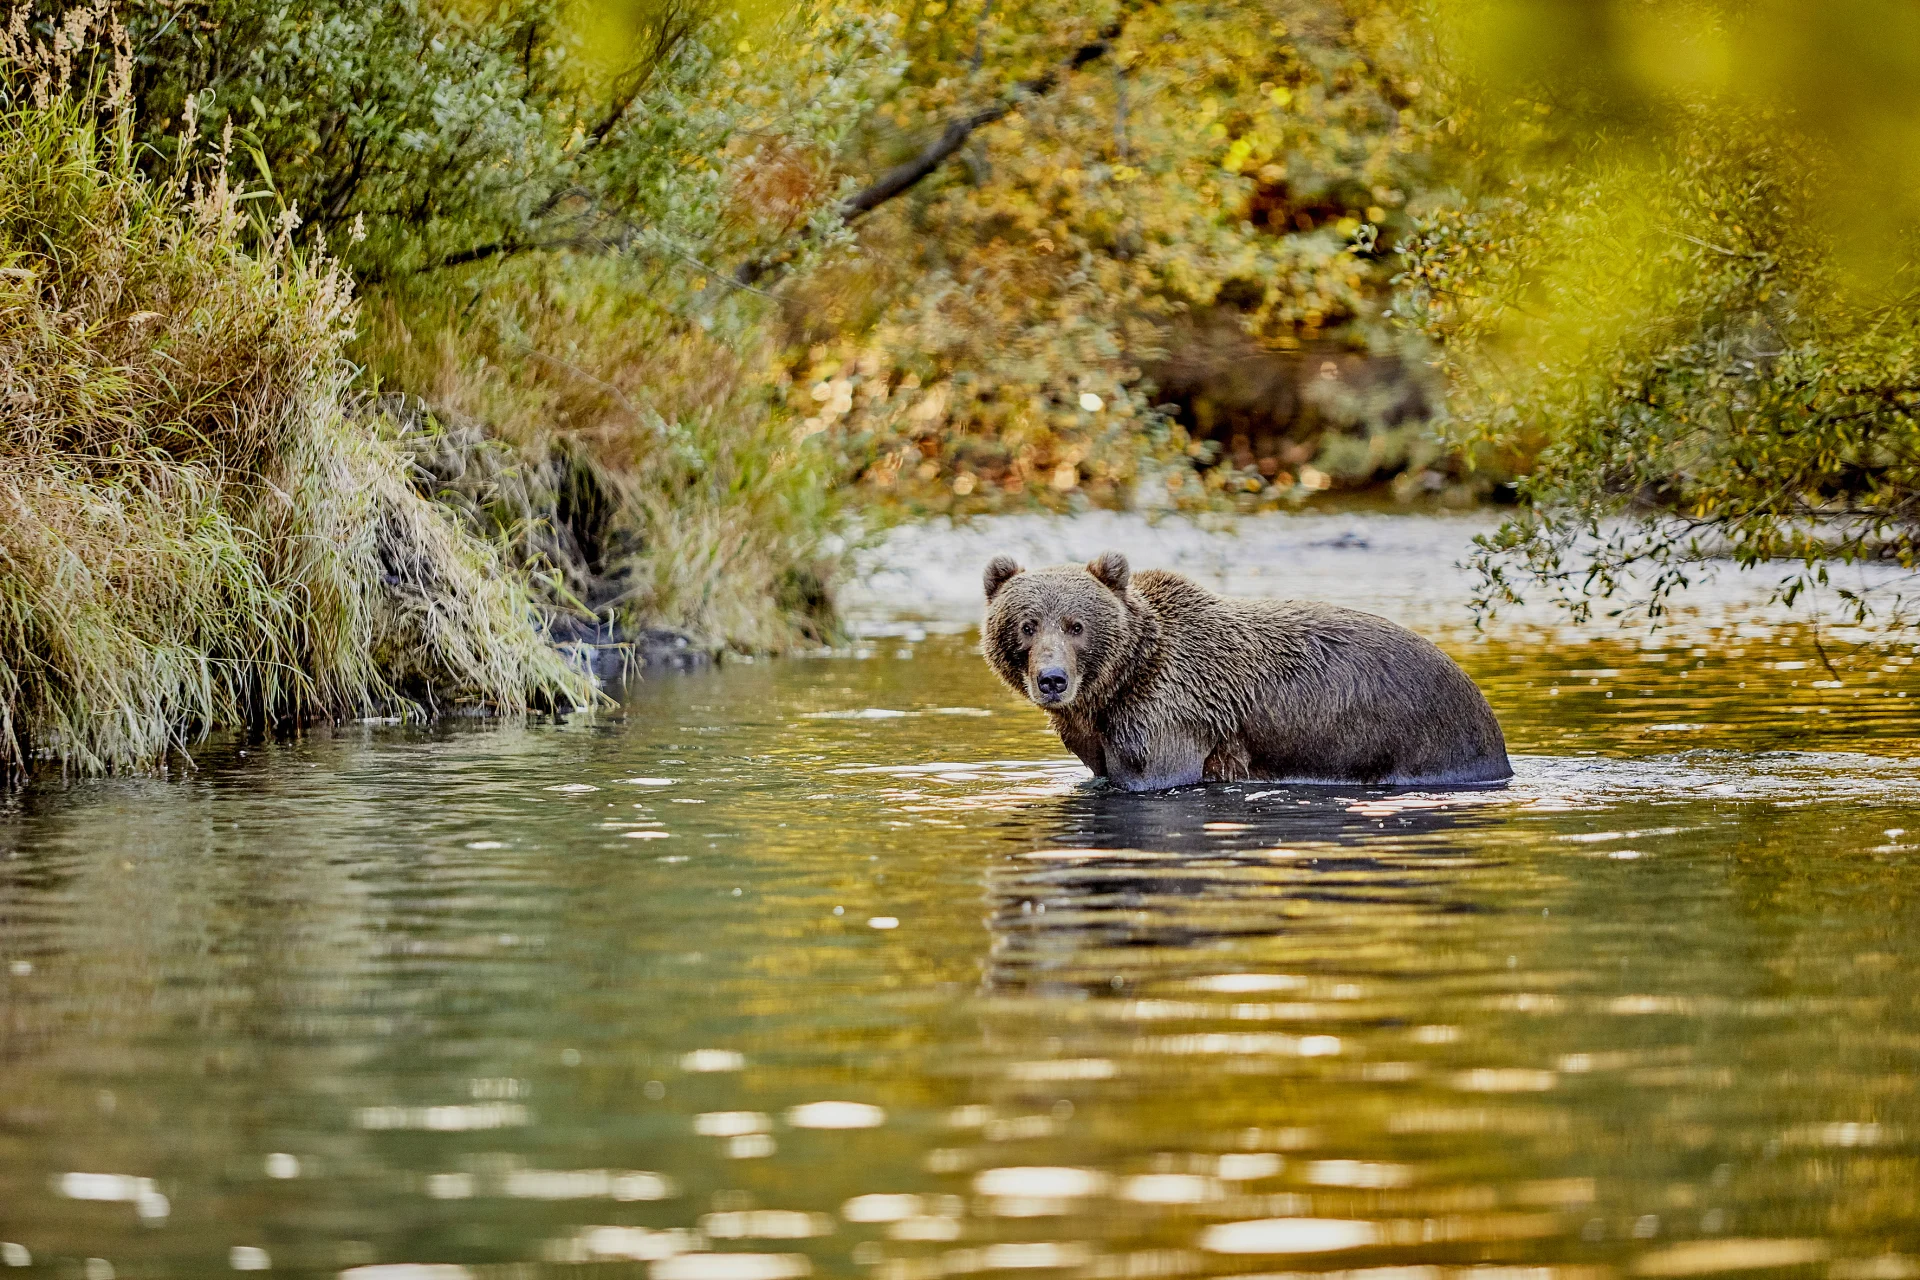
196,529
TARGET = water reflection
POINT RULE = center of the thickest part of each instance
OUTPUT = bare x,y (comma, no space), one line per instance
749,981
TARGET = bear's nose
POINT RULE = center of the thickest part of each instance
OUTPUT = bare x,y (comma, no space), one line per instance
1052,682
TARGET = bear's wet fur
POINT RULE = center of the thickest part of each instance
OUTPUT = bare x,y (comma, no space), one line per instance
1155,682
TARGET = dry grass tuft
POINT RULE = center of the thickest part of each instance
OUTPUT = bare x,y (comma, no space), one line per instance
192,531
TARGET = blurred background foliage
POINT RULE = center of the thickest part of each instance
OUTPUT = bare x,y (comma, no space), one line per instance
1674,286
1163,275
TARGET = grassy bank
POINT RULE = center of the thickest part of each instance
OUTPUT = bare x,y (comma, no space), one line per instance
194,528
642,464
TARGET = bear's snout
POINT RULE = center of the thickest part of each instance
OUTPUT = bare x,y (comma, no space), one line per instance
1052,683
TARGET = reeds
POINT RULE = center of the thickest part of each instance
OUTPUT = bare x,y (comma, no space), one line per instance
193,531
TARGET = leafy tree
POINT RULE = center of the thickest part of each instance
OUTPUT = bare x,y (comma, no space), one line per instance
1082,198
421,136
1680,278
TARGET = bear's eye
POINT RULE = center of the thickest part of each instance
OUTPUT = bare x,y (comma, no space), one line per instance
1074,628
1026,628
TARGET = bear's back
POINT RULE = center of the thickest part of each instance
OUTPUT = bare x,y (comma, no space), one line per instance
1319,689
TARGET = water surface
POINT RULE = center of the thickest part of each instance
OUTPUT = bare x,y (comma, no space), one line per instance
840,966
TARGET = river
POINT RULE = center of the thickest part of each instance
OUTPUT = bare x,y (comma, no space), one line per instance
839,966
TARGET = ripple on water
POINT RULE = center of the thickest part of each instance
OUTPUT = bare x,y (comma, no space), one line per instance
147,1200
863,713
1357,1173
1041,1182
751,1146
883,1207
731,1124
1249,1166
1710,1257
927,1228
1171,1188
765,1224
732,1266
1034,1256
447,1118
713,1060
450,1186
588,1184
619,1244
1248,983
1290,1235
836,1115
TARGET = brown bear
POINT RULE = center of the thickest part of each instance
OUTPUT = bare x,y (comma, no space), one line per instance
1155,682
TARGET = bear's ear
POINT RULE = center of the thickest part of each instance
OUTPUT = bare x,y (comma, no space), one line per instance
1110,567
999,570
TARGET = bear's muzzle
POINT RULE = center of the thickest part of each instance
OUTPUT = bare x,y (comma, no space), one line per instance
1051,678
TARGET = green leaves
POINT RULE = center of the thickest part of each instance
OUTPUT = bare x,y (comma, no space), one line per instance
454,134
1665,327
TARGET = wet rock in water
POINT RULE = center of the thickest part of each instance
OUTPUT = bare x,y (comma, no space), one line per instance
1350,540
671,649
610,651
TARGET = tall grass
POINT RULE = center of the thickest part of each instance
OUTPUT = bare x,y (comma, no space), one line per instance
640,455
193,530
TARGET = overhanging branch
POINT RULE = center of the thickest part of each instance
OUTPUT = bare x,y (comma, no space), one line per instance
903,177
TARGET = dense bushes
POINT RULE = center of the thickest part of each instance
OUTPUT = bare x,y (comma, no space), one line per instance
1165,263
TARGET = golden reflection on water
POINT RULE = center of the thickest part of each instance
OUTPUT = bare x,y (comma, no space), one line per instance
840,967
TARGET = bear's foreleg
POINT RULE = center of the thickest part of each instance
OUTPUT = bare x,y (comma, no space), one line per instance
1084,741
1155,761
1228,762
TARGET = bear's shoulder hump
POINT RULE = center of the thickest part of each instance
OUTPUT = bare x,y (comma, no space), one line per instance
1163,587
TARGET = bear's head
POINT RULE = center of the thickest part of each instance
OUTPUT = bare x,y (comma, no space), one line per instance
1063,635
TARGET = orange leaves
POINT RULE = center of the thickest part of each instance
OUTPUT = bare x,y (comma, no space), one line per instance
781,183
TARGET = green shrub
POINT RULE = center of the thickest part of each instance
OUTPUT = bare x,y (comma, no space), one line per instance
1677,290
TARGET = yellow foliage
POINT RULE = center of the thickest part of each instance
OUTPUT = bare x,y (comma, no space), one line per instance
1199,170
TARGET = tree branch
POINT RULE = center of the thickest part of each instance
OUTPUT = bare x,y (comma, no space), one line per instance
903,177
888,186
676,27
